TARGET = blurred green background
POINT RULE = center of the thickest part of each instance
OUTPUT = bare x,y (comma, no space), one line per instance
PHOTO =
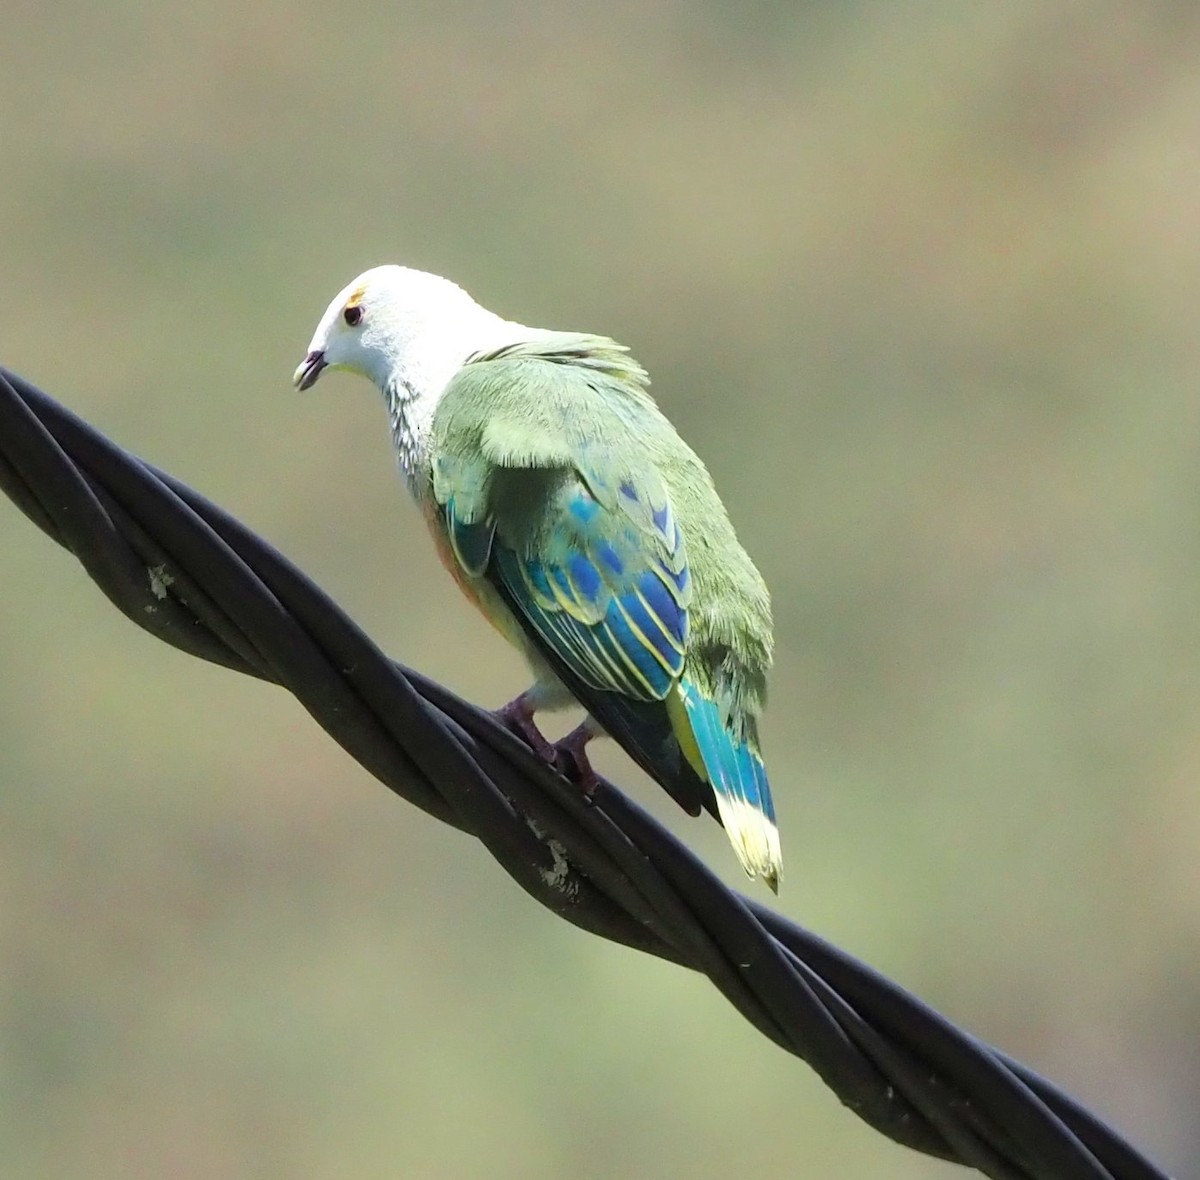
919,281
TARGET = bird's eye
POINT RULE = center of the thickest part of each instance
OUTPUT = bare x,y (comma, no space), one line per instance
353,315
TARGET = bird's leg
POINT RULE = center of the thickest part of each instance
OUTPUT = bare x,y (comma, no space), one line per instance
573,759
517,715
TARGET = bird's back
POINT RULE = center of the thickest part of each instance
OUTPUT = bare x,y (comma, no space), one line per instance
553,448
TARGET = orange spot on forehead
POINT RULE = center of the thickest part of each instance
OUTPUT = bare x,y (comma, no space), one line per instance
357,296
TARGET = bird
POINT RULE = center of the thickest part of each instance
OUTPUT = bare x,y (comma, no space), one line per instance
568,509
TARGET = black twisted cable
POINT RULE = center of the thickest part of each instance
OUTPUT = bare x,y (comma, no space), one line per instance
189,573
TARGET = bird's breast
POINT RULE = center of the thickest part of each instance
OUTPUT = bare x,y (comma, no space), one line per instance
477,590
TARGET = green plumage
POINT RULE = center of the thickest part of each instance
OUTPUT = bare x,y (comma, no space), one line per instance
593,536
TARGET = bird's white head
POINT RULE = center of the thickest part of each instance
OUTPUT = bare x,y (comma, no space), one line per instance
409,332
396,323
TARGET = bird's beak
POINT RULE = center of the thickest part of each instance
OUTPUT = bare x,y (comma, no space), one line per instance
310,369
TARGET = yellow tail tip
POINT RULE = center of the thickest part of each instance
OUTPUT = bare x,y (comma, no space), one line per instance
755,840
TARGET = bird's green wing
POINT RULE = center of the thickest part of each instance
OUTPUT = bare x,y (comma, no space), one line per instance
537,492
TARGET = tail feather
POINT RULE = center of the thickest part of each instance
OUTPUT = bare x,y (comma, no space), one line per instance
735,771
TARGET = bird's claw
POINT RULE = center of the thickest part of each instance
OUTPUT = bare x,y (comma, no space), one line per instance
517,716
573,763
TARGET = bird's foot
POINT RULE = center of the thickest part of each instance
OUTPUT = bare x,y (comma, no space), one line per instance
572,757
517,716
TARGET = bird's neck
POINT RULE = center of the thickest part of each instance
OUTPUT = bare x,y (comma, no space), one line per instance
426,363
410,413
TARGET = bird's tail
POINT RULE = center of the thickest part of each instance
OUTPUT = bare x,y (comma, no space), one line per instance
734,769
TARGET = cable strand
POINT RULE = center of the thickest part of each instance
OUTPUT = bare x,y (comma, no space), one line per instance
189,573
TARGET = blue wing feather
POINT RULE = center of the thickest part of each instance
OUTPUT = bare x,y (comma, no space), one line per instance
471,541
607,589
629,640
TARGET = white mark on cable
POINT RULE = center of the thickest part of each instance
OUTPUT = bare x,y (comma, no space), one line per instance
159,581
